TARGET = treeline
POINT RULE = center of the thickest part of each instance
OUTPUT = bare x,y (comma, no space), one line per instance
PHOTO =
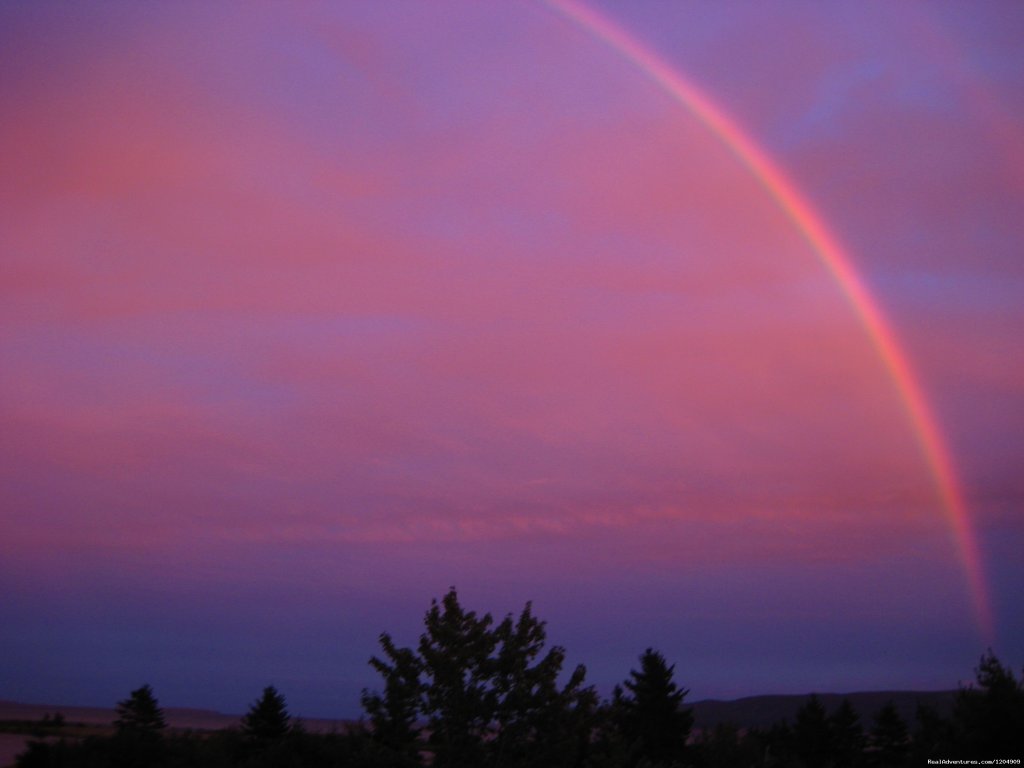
478,693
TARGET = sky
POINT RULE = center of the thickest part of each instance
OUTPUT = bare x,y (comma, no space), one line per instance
310,312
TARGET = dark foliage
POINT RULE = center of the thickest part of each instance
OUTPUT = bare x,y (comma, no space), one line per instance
989,719
487,694
140,722
475,692
813,739
934,737
847,736
394,713
725,745
648,710
890,739
140,715
268,718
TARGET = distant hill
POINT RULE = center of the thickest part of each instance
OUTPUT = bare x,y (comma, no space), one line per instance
763,711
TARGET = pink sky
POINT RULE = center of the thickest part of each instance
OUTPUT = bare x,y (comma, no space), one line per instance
314,313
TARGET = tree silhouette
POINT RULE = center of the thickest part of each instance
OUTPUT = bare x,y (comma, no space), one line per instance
812,735
934,736
455,652
889,737
140,714
847,735
989,719
652,719
535,721
138,742
268,717
394,713
724,746
486,694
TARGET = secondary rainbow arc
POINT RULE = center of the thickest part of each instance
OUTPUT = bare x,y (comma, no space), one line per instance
835,259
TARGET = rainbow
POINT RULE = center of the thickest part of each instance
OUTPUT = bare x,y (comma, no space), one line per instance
832,255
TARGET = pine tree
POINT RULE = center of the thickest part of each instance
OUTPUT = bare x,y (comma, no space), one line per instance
990,718
812,735
723,747
934,736
140,714
138,742
535,721
847,735
487,694
889,739
268,717
393,714
652,719
455,651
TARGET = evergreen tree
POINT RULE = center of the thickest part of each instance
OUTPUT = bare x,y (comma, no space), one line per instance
268,717
889,738
535,721
933,736
137,743
455,651
779,745
847,735
394,713
812,735
724,747
653,721
608,748
140,714
989,719
485,693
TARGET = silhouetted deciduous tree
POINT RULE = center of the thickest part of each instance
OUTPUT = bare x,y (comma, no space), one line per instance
268,718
